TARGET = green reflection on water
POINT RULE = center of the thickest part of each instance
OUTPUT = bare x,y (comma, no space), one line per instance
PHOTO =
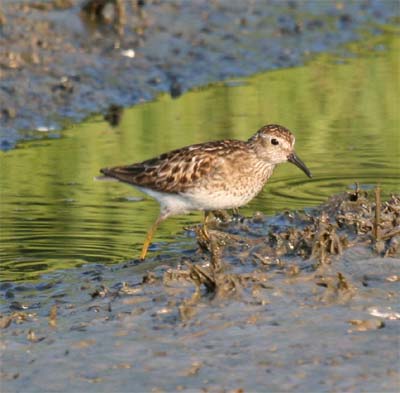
344,112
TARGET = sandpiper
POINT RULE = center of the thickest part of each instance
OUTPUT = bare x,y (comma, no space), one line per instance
210,176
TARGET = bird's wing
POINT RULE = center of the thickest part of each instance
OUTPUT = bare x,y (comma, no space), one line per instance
178,170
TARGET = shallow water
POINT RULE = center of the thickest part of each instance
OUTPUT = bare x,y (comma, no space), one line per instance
343,111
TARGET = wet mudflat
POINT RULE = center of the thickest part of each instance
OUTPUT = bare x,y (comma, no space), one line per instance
302,301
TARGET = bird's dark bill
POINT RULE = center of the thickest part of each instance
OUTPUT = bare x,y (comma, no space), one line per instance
296,161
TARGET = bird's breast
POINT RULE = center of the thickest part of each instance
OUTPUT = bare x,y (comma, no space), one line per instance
226,190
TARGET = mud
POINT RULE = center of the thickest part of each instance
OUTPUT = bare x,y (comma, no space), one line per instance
61,60
302,301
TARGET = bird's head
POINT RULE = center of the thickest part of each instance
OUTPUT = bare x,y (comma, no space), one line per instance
275,144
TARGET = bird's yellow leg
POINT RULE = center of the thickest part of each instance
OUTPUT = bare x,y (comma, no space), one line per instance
149,237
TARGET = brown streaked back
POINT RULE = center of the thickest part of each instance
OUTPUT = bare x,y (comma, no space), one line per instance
177,170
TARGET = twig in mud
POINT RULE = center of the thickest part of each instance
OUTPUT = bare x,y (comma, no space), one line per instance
389,235
53,316
377,222
216,254
342,282
200,276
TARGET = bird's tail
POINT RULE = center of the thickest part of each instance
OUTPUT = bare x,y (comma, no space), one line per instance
107,175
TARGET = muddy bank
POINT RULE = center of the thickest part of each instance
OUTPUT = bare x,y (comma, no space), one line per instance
59,63
304,301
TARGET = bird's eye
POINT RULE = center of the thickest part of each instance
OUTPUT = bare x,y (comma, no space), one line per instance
274,141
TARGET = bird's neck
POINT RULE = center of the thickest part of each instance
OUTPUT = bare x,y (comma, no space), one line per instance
263,170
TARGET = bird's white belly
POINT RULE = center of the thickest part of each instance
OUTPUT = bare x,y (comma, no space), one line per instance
205,200
170,204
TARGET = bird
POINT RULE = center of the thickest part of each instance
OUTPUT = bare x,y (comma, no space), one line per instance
217,175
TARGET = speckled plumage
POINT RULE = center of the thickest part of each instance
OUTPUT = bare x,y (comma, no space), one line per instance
210,176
